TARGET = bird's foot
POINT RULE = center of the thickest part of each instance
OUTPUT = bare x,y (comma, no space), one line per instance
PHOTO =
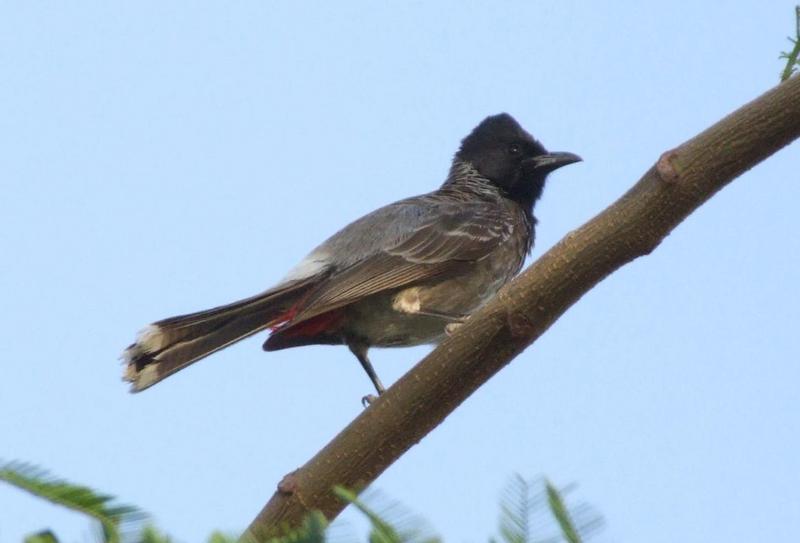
367,400
450,328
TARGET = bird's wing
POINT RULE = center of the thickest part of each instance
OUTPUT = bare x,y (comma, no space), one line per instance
406,243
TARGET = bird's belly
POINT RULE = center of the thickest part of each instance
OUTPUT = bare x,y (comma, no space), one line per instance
377,322
418,315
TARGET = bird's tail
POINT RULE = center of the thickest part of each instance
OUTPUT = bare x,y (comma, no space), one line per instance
170,345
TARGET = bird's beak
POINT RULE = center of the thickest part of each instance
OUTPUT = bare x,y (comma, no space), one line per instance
552,161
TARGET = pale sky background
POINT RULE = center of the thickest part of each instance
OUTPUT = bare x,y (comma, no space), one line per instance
160,159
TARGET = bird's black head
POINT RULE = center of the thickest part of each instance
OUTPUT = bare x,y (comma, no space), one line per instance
504,153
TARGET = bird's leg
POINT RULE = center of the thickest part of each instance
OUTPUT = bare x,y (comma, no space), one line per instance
440,315
451,327
360,352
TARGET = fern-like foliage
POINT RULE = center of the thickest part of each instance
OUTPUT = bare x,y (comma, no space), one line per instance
312,531
559,510
531,510
391,524
792,57
151,534
526,509
45,536
219,537
516,508
101,507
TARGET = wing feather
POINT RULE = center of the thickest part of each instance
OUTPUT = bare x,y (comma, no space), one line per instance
445,241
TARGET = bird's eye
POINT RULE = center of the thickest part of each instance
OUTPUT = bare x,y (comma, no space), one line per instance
514,149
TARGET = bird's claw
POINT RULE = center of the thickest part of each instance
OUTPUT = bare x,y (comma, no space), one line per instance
367,400
451,328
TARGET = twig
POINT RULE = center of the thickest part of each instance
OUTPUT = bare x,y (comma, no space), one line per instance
793,55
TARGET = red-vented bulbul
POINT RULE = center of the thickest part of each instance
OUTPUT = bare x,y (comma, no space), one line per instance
395,277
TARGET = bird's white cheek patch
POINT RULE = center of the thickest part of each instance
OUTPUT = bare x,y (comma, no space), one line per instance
407,301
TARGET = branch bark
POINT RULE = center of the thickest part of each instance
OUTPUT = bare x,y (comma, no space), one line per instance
678,183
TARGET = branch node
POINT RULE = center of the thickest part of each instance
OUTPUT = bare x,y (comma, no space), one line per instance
519,324
666,167
288,484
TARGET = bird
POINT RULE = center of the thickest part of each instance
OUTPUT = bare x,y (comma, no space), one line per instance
406,274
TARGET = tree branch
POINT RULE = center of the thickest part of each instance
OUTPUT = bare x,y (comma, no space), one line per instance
681,180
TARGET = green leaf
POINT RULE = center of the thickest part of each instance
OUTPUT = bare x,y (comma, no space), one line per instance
793,56
515,511
219,537
151,534
382,531
561,514
392,524
100,507
312,531
529,510
45,536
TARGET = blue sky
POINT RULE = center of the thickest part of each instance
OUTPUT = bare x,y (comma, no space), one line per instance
159,159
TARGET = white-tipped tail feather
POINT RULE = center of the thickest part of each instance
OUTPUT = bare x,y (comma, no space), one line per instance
151,338
169,345
148,340
142,379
